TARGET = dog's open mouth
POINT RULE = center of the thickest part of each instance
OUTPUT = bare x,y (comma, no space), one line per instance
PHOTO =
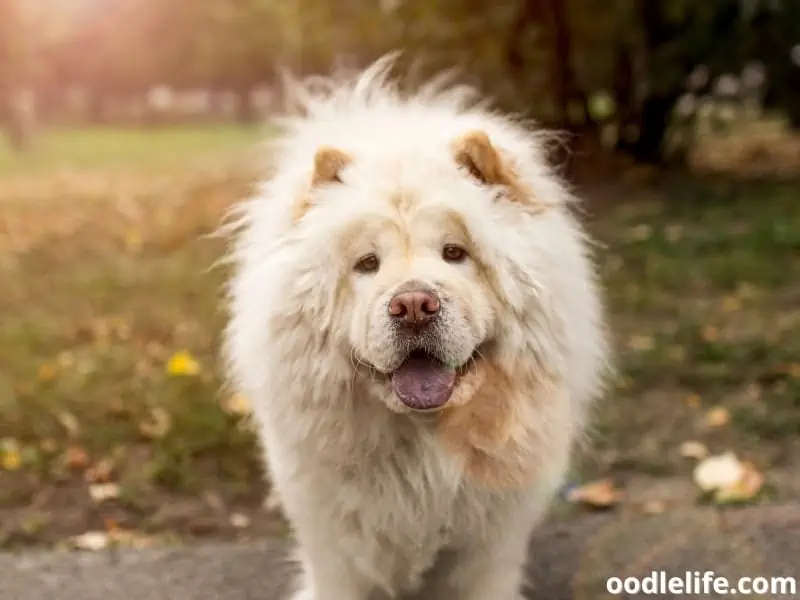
423,382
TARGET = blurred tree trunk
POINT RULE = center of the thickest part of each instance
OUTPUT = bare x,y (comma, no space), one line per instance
18,119
572,99
624,87
550,17
246,111
652,115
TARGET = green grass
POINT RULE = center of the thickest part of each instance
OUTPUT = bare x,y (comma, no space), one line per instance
704,286
702,282
125,147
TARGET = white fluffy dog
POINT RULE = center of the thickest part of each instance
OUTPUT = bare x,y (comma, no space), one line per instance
415,317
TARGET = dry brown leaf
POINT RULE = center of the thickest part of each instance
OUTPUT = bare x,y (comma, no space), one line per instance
157,425
710,333
47,372
130,539
719,416
694,449
692,400
641,232
100,492
654,507
240,521
48,445
76,458
118,408
599,494
69,422
676,353
731,304
746,488
717,472
100,472
92,540
641,343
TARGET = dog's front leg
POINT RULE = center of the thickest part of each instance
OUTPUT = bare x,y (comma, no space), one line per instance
488,571
328,575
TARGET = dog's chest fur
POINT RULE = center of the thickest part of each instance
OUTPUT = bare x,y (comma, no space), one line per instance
396,495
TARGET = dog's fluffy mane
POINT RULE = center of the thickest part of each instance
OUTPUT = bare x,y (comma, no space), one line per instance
335,110
332,109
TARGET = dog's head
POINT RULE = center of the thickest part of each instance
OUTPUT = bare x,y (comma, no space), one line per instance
421,255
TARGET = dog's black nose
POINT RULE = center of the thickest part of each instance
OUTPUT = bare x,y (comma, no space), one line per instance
414,307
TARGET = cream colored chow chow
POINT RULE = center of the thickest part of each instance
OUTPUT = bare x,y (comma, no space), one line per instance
415,317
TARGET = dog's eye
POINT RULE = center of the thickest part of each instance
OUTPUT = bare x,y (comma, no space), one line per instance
453,253
368,264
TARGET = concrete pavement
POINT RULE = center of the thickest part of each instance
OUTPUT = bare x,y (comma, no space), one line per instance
568,560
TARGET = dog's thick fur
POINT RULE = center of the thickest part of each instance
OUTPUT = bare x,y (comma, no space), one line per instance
385,500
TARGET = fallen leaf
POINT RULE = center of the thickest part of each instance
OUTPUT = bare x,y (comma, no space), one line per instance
33,524
237,405
676,353
731,304
100,492
599,494
100,472
121,328
718,471
69,422
239,520
694,449
183,364
65,361
709,333
130,539
746,290
158,425
692,400
746,488
11,458
673,233
47,372
719,416
118,408
101,330
48,445
91,540
641,232
794,370
76,458
641,343
654,507
155,349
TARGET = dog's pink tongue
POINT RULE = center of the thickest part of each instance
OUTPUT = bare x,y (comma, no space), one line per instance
423,383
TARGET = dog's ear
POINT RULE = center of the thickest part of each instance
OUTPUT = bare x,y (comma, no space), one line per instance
475,152
328,165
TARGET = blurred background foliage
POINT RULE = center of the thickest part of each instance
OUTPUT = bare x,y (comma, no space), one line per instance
612,70
128,128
